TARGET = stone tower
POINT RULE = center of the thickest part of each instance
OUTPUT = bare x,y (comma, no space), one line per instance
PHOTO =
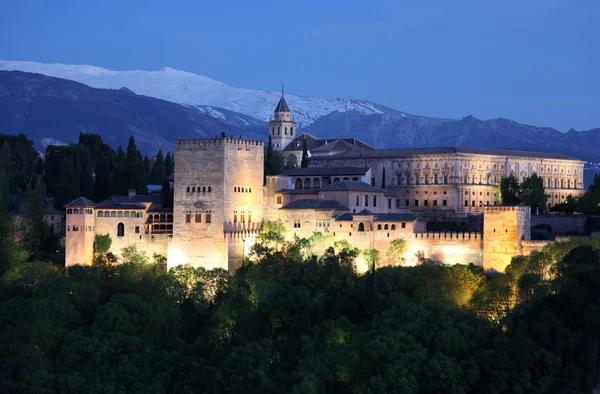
504,227
218,190
80,232
282,126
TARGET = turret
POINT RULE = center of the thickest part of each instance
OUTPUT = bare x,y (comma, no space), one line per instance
282,126
80,232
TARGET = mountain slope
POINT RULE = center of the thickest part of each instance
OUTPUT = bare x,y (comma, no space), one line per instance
53,110
187,88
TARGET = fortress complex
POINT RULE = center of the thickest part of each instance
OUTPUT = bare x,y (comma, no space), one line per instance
350,191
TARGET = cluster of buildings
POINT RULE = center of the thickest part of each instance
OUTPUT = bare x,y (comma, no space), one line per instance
350,191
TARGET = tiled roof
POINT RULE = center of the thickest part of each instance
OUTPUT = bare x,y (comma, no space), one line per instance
298,191
364,212
282,106
344,217
52,211
320,171
160,210
313,143
316,204
337,145
409,152
352,186
81,202
137,199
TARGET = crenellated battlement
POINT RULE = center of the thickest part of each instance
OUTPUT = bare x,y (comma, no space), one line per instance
506,208
241,234
446,236
204,144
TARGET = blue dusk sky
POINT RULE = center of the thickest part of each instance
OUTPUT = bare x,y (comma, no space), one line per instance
533,61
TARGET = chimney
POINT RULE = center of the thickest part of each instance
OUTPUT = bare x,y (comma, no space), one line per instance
130,192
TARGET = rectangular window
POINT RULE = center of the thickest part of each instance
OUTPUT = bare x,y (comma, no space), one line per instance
374,201
389,203
366,201
68,228
473,179
188,218
426,203
137,229
407,203
403,225
398,203
480,179
426,179
357,200
473,203
445,179
198,218
75,228
466,203
296,223
243,218
444,203
372,181
417,180
435,179
416,203
407,179
208,218
399,179
278,199
435,203
249,218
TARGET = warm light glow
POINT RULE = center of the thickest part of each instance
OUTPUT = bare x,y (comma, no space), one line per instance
175,258
361,264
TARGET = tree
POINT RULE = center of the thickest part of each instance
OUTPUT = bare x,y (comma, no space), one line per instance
67,185
304,162
570,205
274,160
86,180
589,203
508,190
167,195
35,204
103,187
291,163
169,165
159,174
395,253
102,243
532,193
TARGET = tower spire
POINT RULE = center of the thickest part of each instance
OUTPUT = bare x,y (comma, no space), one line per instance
281,89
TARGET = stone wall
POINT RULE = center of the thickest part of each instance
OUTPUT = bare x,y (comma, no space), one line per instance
561,224
504,227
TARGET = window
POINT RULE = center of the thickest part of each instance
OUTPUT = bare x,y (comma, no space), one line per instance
194,189
473,179
361,227
235,189
137,229
473,203
68,228
435,203
278,199
444,203
445,179
297,223
466,203
399,179
209,189
234,218
366,201
120,230
435,179
398,203
372,181
307,183
386,227
416,203
316,183
188,218
243,218
374,201
198,218
208,218
393,227
298,183
357,201
389,203
407,203
379,227
426,203
426,179
249,218
285,131
291,131
403,225
75,228
278,131
100,214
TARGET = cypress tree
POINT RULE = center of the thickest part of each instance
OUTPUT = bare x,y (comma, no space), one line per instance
35,204
86,180
120,179
102,184
140,184
304,162
159,174
167,194
147,168
67,184
269,158
169,165
39,166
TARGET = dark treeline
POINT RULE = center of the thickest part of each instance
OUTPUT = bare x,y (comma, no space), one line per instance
295,322
95,170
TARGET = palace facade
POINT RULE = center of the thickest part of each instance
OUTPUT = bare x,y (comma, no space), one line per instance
350,191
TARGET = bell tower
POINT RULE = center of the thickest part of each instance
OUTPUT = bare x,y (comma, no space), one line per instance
282,126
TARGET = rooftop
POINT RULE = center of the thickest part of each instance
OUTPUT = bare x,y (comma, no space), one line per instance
81,202
316,204
327,171
409,152
313,143
298,191
379,217
352,186
282,106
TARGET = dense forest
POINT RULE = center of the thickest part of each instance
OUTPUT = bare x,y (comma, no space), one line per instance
295,318
297,322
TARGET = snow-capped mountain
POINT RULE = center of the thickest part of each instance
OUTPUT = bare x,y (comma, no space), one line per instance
186,88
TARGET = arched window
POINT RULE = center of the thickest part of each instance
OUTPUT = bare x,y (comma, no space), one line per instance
385,227
273,131
278,130
194,189
361,227
393,226
316,183
100,214
120,230
357,201
298,184
187,189
209,189
336,180
379,227
285,131
235,189
203,189
250,190
355,179
113,214
291,131
307,183
346,179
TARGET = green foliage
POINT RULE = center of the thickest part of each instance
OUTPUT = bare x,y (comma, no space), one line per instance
159,173
508,190
304,162
131,255
569,206
35,204
395,253
272,234
291,162
274,160
102,243
531,193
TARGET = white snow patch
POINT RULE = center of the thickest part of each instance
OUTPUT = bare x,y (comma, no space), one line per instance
52,141
187,88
